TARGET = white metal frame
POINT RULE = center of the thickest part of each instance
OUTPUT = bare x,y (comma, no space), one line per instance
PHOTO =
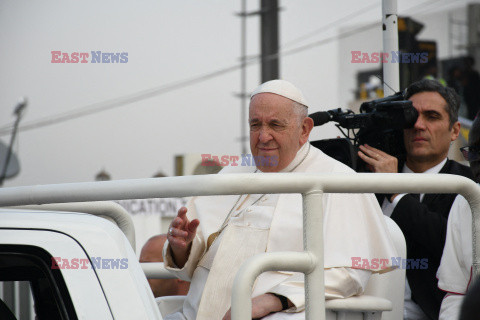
108,209
391,71
311,186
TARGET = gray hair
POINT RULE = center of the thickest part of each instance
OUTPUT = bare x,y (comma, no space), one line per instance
300,110
448,94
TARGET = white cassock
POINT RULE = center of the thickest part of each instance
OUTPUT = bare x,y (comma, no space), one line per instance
353,227
455,271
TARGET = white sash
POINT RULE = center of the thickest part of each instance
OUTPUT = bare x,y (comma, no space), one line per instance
237,244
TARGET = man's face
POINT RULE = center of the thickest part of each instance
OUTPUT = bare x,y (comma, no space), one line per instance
275,130
428,141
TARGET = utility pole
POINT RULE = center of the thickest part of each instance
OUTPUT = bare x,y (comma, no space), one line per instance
269,39
243,95
269,55
391,71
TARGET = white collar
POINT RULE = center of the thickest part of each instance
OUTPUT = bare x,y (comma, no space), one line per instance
299,157
432,170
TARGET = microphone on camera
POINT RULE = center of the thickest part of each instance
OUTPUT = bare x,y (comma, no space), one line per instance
322,117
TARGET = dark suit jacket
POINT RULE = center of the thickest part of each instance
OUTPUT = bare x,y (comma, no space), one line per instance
424,225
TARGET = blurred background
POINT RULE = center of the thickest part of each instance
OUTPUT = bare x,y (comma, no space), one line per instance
180,91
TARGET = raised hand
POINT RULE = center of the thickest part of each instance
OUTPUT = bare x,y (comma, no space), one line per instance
180,236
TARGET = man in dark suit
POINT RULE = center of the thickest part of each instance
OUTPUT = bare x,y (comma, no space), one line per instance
423,218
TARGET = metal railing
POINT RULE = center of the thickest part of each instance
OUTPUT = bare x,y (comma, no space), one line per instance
311,186
106,209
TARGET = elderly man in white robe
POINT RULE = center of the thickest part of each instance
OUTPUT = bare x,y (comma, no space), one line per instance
208,242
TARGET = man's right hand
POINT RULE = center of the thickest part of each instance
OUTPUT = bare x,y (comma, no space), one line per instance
180,236
377,160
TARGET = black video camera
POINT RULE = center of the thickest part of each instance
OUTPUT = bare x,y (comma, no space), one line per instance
379,124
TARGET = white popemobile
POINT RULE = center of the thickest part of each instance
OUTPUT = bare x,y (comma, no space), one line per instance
81,266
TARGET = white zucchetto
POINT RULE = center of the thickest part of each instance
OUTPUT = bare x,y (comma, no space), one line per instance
282,88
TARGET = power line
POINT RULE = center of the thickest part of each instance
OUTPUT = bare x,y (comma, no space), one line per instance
354,14
145,94
428,3
331,25
330,39
113,103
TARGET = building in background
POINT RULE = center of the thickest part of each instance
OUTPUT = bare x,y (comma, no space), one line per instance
442,41
445,38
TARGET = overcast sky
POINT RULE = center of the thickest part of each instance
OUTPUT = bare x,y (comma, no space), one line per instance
167,42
